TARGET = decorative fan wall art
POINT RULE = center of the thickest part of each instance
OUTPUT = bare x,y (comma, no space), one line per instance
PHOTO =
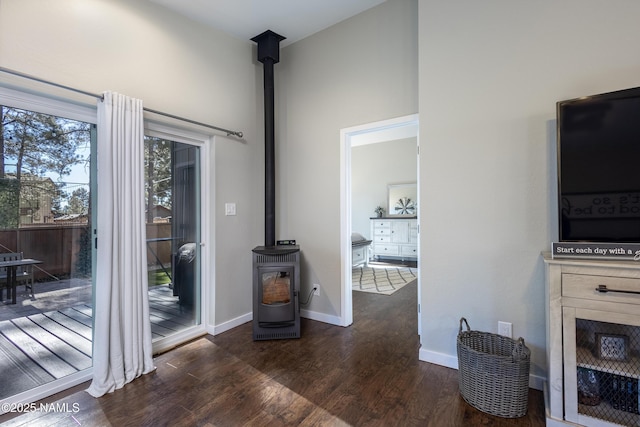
405,206
402,199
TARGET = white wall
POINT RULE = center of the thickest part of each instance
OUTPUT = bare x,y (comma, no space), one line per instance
490,75
359,71
373,168
176,66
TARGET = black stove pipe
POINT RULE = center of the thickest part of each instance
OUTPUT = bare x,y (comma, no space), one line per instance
269,54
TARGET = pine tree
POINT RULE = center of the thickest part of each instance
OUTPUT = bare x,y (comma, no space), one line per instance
33,143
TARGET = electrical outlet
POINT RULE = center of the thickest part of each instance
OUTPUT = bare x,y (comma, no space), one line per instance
505,329
316,289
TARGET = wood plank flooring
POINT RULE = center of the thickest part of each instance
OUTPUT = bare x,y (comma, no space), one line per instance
365,375
37,348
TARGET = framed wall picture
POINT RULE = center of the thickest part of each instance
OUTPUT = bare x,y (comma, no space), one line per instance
612,346
402,199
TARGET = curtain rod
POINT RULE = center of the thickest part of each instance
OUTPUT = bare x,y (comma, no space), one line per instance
97,96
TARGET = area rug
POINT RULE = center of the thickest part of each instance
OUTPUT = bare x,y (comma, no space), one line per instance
382,279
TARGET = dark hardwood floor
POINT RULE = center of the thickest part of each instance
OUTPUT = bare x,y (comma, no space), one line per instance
364,375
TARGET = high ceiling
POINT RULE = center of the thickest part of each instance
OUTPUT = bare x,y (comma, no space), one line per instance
293,19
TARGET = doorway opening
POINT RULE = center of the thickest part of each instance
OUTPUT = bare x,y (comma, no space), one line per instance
400,128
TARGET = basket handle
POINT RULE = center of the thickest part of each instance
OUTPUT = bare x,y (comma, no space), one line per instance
519,350
462,319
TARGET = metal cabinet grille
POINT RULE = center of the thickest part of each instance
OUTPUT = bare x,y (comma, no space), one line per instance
608,368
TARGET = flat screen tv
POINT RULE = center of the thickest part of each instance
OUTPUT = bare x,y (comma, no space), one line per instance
599,167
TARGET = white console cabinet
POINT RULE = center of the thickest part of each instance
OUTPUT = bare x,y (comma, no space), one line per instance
593,342
395,237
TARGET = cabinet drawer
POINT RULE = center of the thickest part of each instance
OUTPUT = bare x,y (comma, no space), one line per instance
390,250
381,224
358,254
382,232
584,286
409,250
382,239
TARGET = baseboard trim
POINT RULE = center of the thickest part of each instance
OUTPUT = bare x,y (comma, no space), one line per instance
535,382
438,358
229,324
248,317
320,317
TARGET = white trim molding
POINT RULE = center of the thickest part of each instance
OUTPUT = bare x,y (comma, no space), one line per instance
230,324
321,317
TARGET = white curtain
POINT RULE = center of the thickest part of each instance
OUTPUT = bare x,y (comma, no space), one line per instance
122,348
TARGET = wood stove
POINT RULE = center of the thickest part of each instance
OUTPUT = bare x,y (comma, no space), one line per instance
276,268
276,287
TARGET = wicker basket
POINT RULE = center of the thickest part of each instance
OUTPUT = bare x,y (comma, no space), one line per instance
493,372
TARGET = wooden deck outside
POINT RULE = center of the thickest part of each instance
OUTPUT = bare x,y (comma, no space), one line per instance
50,336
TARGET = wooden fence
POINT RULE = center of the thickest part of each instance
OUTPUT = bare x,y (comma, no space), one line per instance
64,249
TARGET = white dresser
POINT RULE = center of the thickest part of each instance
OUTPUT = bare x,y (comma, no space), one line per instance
395,237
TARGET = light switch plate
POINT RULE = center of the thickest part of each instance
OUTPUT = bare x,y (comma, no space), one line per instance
229,209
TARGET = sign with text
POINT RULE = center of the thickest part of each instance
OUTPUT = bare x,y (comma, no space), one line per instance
620,251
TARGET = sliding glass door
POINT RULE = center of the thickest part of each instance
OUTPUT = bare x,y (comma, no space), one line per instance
47,189
172,193
46,228
47,215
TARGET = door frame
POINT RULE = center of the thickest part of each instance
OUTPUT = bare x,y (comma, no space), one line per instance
203,142
385,130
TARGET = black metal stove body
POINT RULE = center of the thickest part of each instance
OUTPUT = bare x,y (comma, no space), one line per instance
276,289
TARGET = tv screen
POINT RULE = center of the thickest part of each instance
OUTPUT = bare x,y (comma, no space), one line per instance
599,167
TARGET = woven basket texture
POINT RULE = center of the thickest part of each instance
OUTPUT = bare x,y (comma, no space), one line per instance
493,372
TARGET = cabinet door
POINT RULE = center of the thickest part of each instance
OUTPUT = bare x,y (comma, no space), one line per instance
400,231
600,355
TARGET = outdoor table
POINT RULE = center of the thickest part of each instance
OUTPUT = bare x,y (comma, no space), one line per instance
12,280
